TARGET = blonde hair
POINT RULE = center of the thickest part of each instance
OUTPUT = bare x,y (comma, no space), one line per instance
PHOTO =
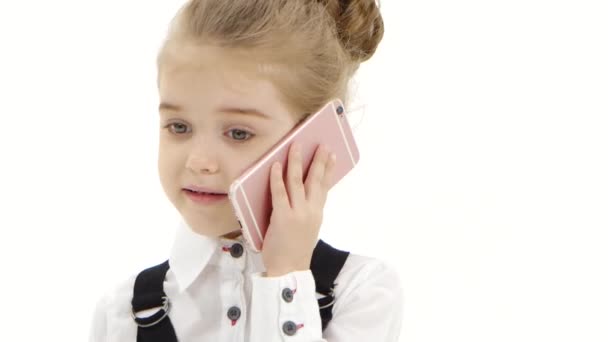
309,49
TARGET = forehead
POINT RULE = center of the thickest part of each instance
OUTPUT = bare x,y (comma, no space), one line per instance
200,79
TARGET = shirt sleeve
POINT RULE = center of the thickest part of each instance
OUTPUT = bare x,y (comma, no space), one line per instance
97,331
369,307
277,316
111,321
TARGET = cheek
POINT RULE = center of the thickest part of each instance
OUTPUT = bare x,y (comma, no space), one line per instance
242,159
164,172
233,163
168,161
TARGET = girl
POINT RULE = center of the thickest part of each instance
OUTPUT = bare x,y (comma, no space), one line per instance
234,76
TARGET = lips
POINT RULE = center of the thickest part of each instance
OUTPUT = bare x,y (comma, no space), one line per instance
207,197
205,193
203,190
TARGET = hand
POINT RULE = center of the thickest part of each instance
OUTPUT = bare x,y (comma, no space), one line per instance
297,211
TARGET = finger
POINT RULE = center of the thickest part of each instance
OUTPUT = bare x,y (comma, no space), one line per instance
277,187
316,173
330,168
295,187
321,195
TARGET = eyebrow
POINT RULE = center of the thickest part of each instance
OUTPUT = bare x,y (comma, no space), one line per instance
226,110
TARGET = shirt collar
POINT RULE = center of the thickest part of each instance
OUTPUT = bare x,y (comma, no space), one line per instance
192,252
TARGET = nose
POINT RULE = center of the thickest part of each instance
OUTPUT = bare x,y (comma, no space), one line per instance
202,160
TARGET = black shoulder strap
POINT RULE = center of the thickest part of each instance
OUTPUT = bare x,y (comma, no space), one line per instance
148,293
325,266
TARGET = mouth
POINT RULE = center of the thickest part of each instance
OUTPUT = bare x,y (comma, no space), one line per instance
204,189
205,197
205,192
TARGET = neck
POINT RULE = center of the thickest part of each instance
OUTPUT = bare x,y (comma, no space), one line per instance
232,235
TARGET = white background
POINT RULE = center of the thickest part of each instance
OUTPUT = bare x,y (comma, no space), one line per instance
483,176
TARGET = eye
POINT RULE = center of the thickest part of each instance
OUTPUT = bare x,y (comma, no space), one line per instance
239,134
177,128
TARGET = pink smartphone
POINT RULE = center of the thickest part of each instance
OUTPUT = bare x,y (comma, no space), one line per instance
250,193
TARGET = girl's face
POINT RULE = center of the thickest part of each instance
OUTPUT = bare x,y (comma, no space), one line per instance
214,123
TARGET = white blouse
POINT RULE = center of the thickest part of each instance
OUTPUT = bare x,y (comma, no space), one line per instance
205,281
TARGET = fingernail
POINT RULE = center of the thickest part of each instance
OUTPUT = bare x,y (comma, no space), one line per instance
333,157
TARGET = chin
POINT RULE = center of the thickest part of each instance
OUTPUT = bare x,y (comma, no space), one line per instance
212,228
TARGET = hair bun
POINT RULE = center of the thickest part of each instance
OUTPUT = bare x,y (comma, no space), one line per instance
359,26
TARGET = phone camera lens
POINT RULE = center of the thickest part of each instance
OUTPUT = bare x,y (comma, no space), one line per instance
340,110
